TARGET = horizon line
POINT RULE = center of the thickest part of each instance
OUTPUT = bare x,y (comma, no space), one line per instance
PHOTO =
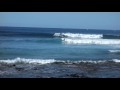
56,27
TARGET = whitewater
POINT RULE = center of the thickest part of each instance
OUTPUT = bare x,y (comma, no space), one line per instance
48,52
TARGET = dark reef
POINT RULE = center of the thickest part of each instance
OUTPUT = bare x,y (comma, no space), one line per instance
55,70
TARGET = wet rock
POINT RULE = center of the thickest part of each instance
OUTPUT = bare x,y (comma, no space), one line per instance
76,76
83,76
52,77
72,75
35,68
14,65
19,69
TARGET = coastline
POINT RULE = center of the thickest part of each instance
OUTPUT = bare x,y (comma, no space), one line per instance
55,70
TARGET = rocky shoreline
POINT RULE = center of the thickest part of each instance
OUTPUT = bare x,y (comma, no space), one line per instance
55,70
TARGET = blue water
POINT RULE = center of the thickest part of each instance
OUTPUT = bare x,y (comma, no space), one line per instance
59,44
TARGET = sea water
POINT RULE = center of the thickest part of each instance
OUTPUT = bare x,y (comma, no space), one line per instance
50,45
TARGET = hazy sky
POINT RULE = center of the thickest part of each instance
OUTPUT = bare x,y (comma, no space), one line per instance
82,20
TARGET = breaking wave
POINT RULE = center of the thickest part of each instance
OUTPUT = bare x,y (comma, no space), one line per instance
52,35
47,61
114,51
77,35
90,41
23,60
80,35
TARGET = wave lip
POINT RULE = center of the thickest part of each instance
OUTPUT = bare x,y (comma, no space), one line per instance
90,41
77,35
30,61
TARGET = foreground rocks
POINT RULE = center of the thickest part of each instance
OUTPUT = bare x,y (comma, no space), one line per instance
59,71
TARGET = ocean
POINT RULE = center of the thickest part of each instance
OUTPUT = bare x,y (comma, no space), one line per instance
61,48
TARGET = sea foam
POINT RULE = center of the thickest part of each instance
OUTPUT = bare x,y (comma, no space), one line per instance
77,35
47,61
23,60
114,51
90,41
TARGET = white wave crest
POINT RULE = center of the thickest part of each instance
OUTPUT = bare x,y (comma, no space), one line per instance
88,61
114,51
92,61
85,61
90,41
34,61
46,61
77,35
116,60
